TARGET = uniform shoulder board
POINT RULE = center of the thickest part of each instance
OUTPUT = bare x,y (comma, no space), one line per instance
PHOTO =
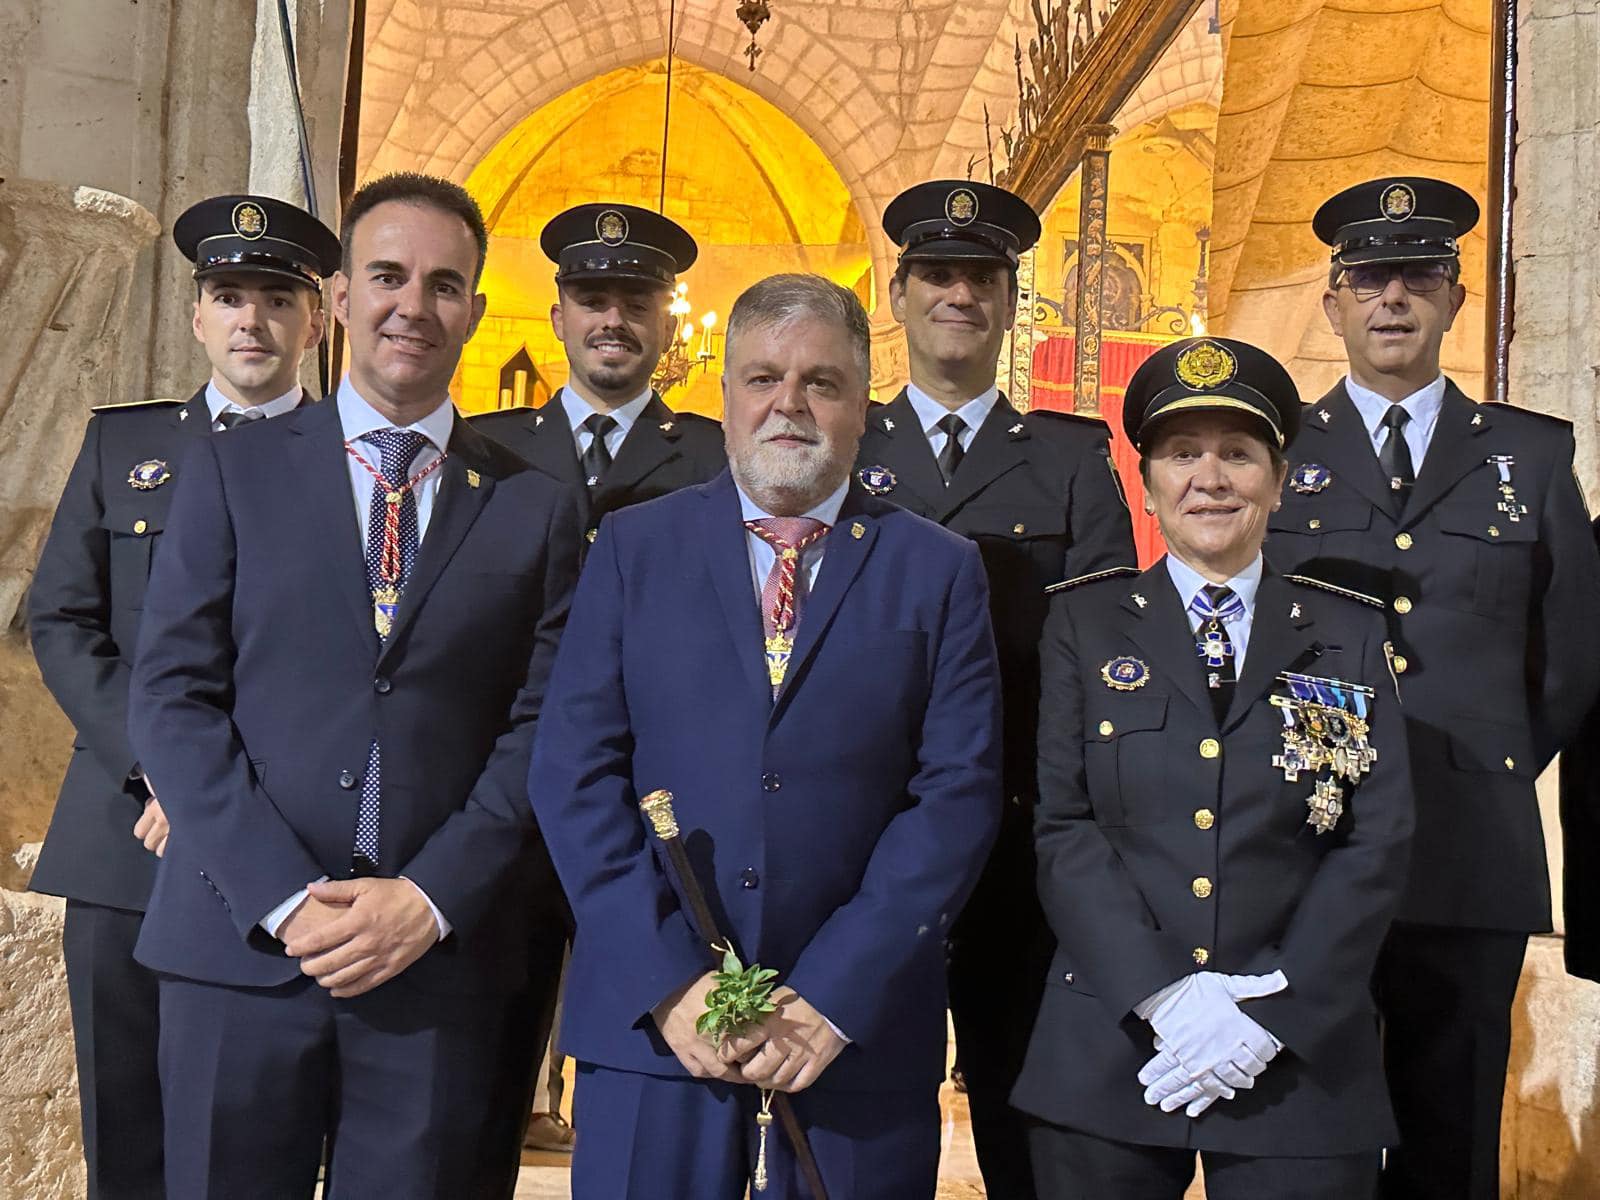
153,402
1056,414
1322,585
1109,573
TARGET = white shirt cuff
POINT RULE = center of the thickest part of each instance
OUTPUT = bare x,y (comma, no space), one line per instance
444,926
274,920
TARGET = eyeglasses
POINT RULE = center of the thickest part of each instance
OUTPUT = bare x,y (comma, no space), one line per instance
1372,279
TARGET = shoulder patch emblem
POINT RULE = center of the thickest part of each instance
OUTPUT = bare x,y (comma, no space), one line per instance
1347,593
148,475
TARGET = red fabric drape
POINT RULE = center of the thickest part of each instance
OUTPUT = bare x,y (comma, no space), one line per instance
1120,356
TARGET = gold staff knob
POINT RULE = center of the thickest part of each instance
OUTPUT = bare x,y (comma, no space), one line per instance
658,807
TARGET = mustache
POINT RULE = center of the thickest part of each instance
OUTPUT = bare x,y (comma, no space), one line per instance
615,335
778,426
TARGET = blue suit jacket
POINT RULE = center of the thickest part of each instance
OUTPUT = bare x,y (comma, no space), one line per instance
259,685
836,830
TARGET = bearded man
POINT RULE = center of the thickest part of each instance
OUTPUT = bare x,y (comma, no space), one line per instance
811,671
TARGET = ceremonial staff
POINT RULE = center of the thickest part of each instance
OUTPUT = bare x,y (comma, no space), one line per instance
657,806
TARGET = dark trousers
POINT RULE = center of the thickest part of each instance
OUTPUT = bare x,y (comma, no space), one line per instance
398,1083
115,1022
1445,996
1078,1166
644,1137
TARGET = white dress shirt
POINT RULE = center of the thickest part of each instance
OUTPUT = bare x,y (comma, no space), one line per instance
579,410
1188,581
357,418
930,412
276,407
1423,405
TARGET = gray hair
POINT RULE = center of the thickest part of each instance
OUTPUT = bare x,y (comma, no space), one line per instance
779,300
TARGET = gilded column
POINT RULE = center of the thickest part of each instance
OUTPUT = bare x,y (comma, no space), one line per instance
1093,191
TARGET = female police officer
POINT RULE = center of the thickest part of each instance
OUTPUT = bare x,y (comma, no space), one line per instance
1223,825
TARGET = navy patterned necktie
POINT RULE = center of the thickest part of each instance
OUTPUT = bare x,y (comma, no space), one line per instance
386,577
1215,605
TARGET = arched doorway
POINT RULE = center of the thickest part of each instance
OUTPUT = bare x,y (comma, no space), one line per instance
756,192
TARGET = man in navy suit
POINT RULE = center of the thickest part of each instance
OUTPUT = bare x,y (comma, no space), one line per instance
344,648
811,671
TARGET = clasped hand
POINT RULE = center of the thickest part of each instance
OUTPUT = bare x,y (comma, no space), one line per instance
1206,1048
353,934
786,1051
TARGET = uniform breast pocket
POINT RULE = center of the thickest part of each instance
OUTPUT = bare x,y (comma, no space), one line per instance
1125,757
131,536
1495,555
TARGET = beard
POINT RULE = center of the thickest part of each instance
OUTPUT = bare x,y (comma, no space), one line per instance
791,477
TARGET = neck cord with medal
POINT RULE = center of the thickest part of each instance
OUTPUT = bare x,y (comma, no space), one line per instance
386,596
780,642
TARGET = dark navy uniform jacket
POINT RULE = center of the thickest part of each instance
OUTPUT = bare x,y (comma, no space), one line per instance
1493,621
1168,845
1580,826
836,829
83,616
664,451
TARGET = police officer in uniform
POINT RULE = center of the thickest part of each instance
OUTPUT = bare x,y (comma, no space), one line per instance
1468,523
259,265
1224,817
1038,493
606,432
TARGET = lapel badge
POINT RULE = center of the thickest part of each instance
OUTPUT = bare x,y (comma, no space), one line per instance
858,530
1477,418
147,476
1310,478
880,481
1140,600
473,478
183,414
538,420
1294,611
1325,415
1016,429
666,427
1125,674
888,425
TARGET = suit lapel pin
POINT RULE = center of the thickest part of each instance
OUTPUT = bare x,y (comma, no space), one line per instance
473,478
666,427
538,420
1477,418
1017,429
1325,415
888,425
878,480
183,414
858,530
147,476
1140,600
1294,612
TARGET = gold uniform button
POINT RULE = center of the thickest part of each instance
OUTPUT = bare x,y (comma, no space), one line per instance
1107,728
1201,887
1210,748
1494,531
140,526
1511,763
1019,527
1204,818
1402,605
1313,524
1201,956
1403,540
1400,664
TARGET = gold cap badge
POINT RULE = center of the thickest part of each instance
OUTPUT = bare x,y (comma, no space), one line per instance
611,227
1205,365
1398,202
961,206
249,220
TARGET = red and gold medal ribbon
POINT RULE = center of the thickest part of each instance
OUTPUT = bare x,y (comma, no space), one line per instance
781,616
389,557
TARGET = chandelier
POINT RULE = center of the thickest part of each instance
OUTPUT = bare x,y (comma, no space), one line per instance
693,343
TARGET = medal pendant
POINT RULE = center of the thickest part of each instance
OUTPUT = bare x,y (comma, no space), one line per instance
385,603
1214,647
779,647
1325,805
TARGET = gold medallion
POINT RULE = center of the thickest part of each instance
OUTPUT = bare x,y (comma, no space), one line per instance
961,206
1398,202
385,603
249,220
611,227
1205,365
779,647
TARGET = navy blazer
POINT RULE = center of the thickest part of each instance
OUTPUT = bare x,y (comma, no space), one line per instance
837,829
1169,843
260,683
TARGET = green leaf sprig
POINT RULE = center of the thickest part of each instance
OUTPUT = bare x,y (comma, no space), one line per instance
741,997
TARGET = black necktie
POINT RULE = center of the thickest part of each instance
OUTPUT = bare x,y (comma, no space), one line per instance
951,454
1394,456
596,459
1215,604
233,418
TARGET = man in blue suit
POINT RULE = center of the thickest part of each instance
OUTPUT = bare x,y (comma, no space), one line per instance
345,643
812,672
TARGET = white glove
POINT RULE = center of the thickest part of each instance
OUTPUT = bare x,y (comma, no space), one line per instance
1206,1047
